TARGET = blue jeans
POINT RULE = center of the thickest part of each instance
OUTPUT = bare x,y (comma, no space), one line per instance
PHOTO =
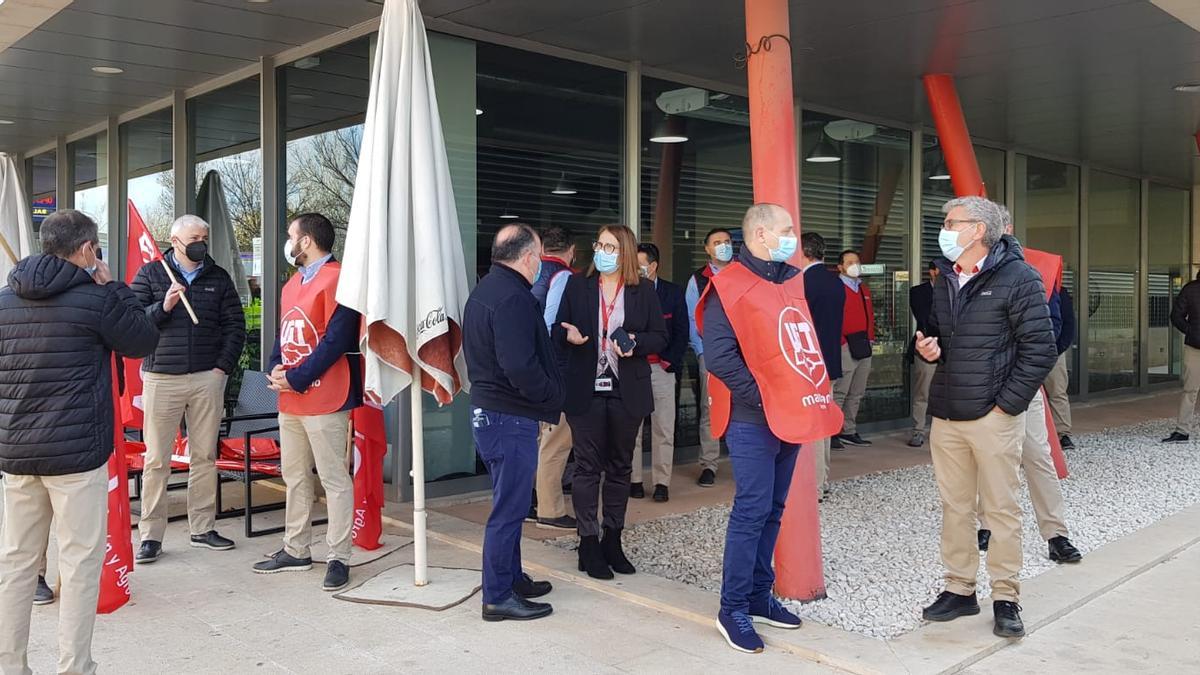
762,473
508,445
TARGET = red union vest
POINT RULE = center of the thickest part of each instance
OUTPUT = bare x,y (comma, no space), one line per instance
1049,265
779,343
307,309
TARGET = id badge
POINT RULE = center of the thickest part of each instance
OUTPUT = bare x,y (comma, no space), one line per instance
604,384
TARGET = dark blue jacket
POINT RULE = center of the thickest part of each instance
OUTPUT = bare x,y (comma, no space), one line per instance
339,342
826,296
723,355
510,361
920,303
674,309
1065,335
541,286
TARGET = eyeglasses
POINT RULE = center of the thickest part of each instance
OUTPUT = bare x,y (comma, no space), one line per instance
949,223
607,248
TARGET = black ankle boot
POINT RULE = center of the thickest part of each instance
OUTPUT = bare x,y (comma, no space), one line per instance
591,560
613,554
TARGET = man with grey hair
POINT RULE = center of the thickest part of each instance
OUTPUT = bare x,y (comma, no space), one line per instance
991,338
61,318
185,379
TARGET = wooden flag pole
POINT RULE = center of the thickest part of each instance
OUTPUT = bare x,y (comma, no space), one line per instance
182,297
8,249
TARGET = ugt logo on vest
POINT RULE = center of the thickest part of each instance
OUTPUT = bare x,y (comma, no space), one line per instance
798,342
297,337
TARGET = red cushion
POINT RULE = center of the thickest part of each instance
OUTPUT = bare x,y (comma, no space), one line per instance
260,448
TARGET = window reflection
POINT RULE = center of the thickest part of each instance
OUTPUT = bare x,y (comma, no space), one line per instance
1113,225
89,178
1169,243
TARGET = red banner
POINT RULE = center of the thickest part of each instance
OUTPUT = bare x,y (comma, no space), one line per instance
370,446
141,250
118,551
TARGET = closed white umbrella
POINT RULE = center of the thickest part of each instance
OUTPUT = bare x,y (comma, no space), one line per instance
403,265
222,240
16,222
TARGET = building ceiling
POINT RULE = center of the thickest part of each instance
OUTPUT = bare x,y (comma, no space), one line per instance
1085,79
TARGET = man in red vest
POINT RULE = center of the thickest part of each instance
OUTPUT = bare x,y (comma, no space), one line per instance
858,338
317,374
770,392
718,244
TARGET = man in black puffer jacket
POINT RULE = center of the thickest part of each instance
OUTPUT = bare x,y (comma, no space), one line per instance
993,343
186,376
61,318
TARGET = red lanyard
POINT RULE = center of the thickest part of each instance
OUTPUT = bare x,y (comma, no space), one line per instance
607,309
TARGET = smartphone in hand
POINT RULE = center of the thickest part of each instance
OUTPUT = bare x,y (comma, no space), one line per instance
624,342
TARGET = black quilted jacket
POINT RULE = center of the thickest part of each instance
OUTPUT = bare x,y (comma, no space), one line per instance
216,342
58,329
996,338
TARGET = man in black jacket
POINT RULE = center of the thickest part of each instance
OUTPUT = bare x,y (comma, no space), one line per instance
993,343
920,303
185,377
826,298
61,318
1060,376
664,369
1185,317
514,385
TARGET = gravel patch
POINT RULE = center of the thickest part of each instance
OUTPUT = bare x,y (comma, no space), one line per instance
880,532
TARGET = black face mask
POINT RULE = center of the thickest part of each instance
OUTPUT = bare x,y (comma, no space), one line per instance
196,251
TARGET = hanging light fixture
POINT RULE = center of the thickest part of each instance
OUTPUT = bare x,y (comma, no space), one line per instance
563,187
508,216
939,171
824,152
668,130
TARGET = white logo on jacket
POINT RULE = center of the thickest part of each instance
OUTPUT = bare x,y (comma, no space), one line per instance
798,342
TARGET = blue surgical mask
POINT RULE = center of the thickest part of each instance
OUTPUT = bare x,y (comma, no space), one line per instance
537,274
787,248
724,252
605,262
948,242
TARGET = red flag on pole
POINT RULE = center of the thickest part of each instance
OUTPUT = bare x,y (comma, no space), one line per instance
118,551
141,250
370,446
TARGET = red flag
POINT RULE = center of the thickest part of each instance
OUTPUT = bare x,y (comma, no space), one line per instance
118,551
1056,451
141,250
370,446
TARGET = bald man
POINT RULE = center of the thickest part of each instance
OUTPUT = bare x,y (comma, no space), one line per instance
515,384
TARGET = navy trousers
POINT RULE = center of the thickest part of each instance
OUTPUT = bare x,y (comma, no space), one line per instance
508,446
762,474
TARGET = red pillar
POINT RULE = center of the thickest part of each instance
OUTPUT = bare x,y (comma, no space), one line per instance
799,574
953,137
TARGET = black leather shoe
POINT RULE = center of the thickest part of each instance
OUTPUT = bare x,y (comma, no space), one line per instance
516,609
337,576
835,443
1008,619
661,494
708,478
950,606
282,561
148,552
1176,437
853,439
212,541
1063,551
636,491
614,555
985,538
591,560
559,523
527,588
1065,442
43,595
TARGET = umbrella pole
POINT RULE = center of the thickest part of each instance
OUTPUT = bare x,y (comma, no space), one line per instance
420,563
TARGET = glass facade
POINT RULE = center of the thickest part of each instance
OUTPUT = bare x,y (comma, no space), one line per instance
89,180
542,140
861,202
1114,211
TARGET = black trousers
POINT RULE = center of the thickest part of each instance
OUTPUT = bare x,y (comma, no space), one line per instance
603,439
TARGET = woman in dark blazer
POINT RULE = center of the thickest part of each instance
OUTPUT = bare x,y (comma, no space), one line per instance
608,389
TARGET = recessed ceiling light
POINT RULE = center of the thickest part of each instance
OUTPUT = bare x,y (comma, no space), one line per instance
1190,87
300,97
307,62
258,2
107,70
6,121
478,112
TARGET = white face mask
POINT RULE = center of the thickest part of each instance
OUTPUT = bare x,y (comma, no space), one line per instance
288,252
854,271
948,242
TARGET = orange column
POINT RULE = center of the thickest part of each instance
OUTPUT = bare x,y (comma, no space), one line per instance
799,574
953,137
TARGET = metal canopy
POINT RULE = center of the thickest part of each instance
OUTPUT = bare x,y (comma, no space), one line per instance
1082,79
